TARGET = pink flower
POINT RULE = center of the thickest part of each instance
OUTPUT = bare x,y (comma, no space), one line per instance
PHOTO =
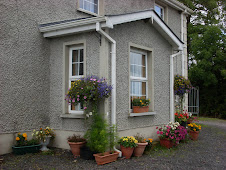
73,100
85,108
94,79
156,127
161,133
85,97
167,134
78,96
81,88
157,132
77,99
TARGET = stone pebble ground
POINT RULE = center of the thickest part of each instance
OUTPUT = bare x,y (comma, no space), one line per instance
208,153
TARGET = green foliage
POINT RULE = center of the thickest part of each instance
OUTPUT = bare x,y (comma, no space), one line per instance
21,140
97,135
141,102
128,141
206,48
113,137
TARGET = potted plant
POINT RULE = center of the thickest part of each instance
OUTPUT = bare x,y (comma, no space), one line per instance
149,145
140,105
167,134
194,130
96,136
110,156
127,144
181,118
44,136
24,146
141,145
76,142
88,91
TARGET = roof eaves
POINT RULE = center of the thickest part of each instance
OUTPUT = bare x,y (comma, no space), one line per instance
46,27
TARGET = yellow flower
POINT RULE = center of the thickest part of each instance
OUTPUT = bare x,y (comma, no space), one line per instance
18,133
25,138
194,129
135,141
140,100
24,135
17,138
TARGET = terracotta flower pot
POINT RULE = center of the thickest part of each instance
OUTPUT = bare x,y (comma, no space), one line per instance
139,109
166,143
139,150
107,157
189,121
126,152
75,147
194,135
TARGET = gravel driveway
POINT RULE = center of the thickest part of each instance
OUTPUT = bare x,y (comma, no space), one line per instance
209,152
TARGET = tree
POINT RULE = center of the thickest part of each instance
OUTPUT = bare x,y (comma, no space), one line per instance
207,69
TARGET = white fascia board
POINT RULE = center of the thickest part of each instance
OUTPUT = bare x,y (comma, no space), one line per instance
120,19
179,6
68,31
168,32
71,24
124,18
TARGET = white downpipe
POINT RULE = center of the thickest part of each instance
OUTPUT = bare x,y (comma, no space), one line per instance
182,39
172,87
113,76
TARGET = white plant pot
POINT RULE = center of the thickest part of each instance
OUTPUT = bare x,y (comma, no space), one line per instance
45,144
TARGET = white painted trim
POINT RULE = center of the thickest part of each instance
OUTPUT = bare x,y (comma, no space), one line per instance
75,23
168,32
142,114
81,44
90,24
88,12
179,6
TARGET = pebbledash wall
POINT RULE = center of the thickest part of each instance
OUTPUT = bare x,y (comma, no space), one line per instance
24,66
31,68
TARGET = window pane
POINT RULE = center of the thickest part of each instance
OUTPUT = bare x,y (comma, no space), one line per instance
81,55
86,5
75,69
159,11
81,4
75,56
92,8
81,69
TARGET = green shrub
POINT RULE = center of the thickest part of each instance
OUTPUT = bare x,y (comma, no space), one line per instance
97,135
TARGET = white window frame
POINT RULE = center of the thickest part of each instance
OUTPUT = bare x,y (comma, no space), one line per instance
87,11
74,78
139,79
163,15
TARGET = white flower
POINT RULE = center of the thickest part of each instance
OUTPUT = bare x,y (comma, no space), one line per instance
87,115
90,113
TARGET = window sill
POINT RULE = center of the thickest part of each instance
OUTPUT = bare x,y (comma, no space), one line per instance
88,12
142,114
72,116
